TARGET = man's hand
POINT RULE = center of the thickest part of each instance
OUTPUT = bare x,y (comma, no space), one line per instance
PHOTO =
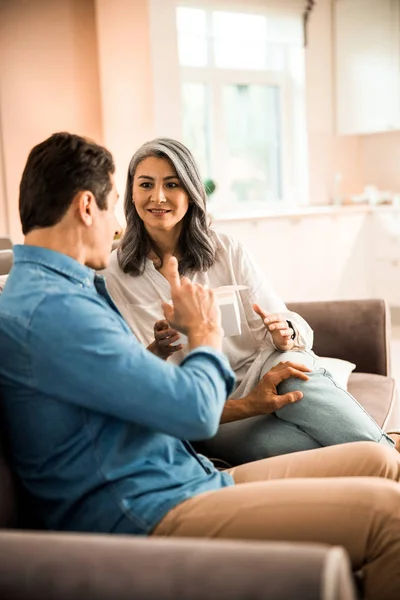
264,399
164,337
278,327
194,310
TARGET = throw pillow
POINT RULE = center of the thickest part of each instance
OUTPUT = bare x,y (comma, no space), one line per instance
339,369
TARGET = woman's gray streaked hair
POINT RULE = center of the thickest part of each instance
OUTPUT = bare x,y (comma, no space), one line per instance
196,246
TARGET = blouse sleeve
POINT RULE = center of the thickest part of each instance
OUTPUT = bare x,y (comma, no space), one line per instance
261,292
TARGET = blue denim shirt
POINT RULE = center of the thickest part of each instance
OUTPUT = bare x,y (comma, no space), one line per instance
95,421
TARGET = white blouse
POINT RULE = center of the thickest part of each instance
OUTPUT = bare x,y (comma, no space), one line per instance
139,301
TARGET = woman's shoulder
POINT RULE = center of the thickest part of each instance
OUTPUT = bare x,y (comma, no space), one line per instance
114,270
225,241
113,265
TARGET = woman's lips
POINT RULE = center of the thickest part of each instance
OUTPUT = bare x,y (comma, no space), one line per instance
159,212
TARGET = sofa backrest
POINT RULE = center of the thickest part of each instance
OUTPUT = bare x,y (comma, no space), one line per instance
6,261
353,330
5,243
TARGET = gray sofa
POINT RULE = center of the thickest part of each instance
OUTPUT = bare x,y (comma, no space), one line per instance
358,331
6,261
36,564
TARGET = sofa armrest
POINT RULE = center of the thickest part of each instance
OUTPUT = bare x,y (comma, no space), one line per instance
353,330
49,566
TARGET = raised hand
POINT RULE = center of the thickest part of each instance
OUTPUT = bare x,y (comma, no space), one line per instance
278,327
194,310
164,340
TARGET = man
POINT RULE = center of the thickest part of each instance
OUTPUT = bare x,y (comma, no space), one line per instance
97,424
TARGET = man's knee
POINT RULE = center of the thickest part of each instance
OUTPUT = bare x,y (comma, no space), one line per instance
382,460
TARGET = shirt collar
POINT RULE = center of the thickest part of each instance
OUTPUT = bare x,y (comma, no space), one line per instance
57,261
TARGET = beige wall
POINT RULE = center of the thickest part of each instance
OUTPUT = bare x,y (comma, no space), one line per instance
49,80
329,154
381,160
123,34
77,65
4,221
361,160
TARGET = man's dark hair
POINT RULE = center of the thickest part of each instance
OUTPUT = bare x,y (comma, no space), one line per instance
56,170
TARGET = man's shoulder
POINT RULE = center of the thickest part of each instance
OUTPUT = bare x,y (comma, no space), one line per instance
47,303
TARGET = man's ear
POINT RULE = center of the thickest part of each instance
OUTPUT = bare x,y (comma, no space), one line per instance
85,205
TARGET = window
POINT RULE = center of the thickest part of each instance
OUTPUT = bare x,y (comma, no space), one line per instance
231,85
237,77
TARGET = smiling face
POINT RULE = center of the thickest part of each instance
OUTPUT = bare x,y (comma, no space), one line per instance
159,197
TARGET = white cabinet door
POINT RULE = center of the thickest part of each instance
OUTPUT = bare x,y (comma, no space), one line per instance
385,256
367,65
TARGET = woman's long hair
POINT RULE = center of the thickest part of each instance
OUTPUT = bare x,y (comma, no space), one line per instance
196,246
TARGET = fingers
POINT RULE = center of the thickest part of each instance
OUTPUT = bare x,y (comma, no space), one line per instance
276,377
166,340
285,333
271,319
285,370
173,349
260,311
289,363
165,333
289,398
274,322
278,326
168,311
171,273
160,325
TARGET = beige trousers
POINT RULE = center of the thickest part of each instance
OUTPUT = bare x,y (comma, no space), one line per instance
345,495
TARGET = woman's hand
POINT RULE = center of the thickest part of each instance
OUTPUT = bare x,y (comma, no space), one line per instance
164,337
278,327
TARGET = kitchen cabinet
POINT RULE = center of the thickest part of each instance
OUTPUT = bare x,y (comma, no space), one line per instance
326,253
367,65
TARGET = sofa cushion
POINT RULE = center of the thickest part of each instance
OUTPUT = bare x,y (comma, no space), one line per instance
375,393
338,368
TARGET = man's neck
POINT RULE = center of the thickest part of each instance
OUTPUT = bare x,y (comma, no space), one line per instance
58,239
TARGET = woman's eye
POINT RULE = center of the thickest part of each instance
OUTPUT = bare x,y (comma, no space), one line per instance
172,185
145,185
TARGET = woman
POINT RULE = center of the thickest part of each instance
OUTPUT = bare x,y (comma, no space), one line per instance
165,209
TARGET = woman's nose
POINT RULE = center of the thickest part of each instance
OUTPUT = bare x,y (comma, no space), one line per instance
158,195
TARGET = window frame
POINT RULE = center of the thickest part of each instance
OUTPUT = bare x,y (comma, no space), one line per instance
294,170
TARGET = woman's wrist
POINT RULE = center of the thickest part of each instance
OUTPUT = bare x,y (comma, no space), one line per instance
289,345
